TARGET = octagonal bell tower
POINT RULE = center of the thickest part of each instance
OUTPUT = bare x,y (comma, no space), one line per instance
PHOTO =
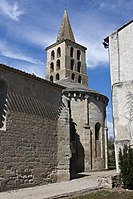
66,59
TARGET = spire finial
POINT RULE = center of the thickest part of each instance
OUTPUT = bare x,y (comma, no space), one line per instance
65,31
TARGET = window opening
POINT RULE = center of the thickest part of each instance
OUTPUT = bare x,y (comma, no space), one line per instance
80,79
78,55
57,76
58,65
71,52
58,52
52,55
73,76
51,78
97,139
51,67
79,67
3,103
72,64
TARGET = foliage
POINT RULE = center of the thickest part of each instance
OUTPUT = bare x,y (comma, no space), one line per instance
111,154
107,195
126,166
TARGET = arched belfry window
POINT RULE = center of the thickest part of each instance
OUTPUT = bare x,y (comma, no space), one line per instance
71,52
57,76
3,102
58,65
78,55
73,76
52,55
51,67
97,139
72,64
51,78
79,67
79,79
58,52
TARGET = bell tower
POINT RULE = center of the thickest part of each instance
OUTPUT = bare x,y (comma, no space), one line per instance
66,58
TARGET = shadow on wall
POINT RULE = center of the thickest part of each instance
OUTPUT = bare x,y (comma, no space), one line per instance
3,103
77,150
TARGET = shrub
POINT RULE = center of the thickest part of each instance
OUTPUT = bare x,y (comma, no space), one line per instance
111,154
126,166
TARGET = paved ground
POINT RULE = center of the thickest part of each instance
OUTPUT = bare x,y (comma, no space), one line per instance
90,181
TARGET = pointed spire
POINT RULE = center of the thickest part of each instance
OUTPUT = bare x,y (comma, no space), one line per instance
65,31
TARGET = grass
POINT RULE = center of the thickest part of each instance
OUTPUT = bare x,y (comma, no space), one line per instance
107,195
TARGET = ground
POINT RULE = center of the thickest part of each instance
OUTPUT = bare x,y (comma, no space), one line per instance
87,182
107,194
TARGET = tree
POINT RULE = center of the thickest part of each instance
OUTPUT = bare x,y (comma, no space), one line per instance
111,153
126,166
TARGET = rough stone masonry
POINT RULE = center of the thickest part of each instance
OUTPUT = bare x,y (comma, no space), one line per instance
120,45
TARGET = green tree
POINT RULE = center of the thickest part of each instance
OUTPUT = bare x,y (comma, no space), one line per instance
111,153
126,166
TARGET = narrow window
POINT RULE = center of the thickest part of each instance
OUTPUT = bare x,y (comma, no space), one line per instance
58,65
73,76
79,67
57,76
52,55
3,103
51,67
79,79
71,52
97,139
58,52
72,64
78,55
51,78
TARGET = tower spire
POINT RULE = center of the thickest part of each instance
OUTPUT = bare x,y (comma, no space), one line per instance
65,31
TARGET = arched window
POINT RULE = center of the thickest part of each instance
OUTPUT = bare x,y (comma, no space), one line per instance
51,78
97,130
79,67
58,65
97,139
71,52
73,76
78,55
52,55
72,64
79,79
58,52
51,67
3,106
57,76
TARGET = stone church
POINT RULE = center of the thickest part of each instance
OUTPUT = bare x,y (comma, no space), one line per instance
120,44
54,128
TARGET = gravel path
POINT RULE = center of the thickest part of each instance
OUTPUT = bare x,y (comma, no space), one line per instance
56,190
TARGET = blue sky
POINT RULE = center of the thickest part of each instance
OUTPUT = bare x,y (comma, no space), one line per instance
27,27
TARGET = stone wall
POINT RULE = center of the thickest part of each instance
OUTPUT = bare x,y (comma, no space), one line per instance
121,59
121,56
97,110
86,110
29,137
122,99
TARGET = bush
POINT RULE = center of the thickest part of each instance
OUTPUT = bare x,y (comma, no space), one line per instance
111,154
126,166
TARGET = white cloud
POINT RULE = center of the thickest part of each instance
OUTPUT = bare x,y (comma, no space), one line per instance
96,54
109,111
6,51
110,129
38,37
12,11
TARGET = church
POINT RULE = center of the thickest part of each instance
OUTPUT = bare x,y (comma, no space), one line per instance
51,129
